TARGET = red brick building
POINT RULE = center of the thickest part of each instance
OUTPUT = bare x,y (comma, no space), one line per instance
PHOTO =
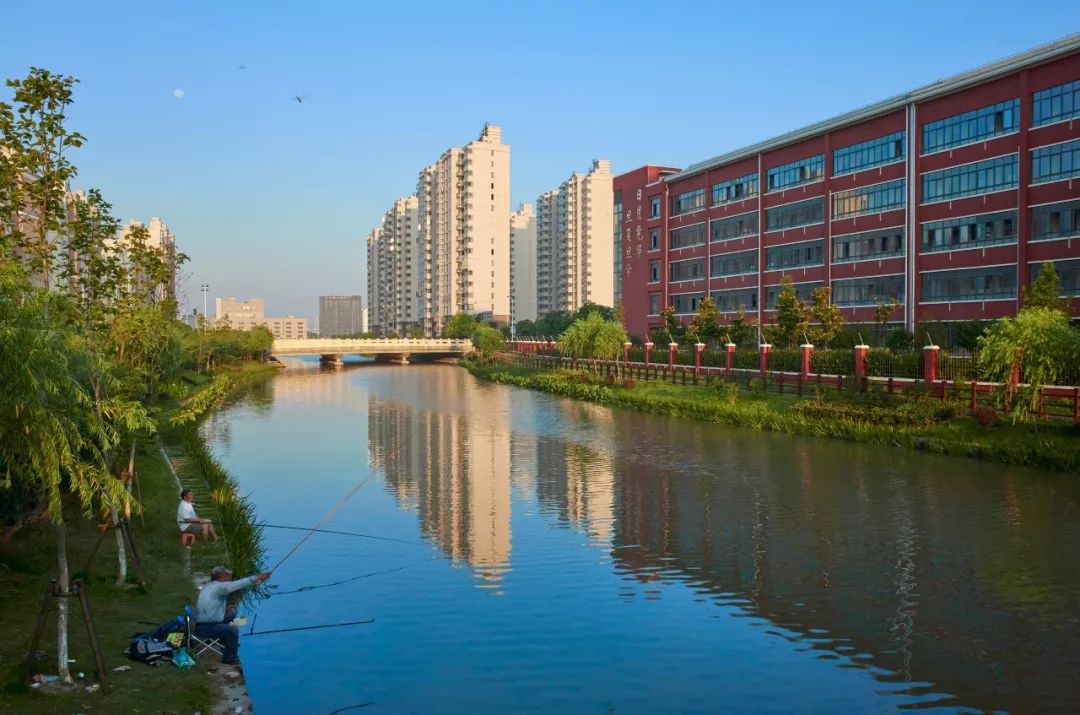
948,198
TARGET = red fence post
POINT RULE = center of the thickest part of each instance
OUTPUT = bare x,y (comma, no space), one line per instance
626,351
860,360
804,366
672,350
764,350
930,356
699,348
648,355
729,358
1076,406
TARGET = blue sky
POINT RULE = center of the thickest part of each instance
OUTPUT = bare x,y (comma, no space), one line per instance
273,198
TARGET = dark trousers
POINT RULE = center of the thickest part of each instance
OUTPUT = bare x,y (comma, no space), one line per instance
228,635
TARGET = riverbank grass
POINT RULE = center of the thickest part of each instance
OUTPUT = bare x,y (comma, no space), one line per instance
923,424
29,561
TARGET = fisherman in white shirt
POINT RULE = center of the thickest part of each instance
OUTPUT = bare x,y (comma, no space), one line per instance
188,521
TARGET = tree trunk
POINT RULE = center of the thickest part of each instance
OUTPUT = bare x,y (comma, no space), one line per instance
62,618
121,551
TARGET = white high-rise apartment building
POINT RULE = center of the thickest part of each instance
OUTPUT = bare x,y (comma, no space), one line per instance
394,270
464,220
523,264
574,250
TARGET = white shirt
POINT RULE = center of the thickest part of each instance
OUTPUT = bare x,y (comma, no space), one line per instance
184,512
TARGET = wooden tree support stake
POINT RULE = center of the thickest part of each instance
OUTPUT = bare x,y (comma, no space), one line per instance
78,591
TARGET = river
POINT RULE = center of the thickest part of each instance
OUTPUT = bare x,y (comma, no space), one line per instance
556,556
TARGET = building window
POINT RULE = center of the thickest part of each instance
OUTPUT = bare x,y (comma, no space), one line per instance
1057,162
998,282
1055,221
854,292
729,301
691,270
654,271
1068,271
795,255
685,303
654,206
733,264
654,239
617,209
869,199
868,154
868,245
795,173
688,201
744,187
688,236
976,125
969,232
654,304
980,177
740,226
1055,104
802,213
802,290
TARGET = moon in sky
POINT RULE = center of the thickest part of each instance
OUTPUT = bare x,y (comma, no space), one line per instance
178,93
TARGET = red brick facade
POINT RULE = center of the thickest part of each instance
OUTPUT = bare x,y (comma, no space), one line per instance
973,268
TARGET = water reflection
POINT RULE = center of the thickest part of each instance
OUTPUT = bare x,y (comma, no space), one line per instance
882,554
453,470
950,583
943,577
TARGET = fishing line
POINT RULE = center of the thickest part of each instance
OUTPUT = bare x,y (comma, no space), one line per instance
354,578
352,707
332,531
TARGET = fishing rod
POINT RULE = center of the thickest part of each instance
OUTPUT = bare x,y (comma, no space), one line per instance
253,632
326,517
341,503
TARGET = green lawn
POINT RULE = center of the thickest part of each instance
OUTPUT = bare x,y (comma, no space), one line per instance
27,564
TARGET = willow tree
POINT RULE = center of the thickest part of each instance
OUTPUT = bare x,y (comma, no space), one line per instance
54,436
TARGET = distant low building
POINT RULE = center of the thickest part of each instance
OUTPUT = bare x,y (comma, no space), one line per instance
246,314
288,328
241,314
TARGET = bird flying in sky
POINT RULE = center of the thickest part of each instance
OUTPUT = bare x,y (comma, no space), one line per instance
299,99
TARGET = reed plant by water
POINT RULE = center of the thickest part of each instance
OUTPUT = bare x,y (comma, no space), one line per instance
920,423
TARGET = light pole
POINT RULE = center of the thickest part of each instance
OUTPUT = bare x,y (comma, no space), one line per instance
205,288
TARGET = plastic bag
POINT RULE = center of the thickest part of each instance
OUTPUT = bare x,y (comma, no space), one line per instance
183,659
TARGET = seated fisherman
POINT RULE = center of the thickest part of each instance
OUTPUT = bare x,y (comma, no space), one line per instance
187,520
211,620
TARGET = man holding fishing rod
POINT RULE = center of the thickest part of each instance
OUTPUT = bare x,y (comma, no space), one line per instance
211,616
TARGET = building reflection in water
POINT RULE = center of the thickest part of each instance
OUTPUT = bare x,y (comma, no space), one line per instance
893,561
940,576
453,469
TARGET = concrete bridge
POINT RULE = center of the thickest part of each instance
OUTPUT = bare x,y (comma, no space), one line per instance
399,350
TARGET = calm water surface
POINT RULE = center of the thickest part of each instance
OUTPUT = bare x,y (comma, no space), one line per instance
564,557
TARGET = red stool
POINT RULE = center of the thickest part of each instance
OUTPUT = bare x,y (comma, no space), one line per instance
187,538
